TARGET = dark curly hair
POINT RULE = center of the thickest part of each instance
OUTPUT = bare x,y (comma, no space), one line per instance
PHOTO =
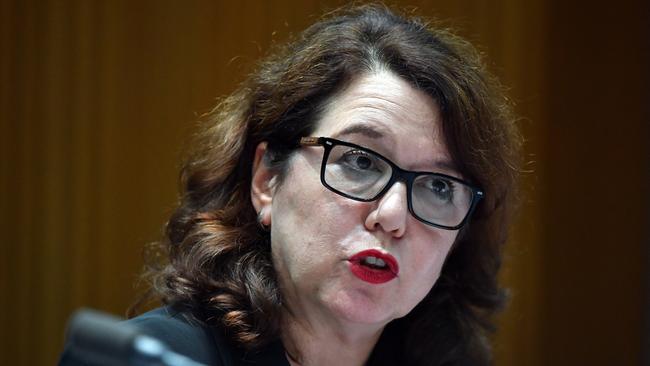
219,265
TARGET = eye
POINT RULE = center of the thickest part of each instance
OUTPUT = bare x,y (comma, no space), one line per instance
443,189
359,160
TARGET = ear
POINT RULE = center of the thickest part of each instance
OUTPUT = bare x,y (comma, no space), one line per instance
262,185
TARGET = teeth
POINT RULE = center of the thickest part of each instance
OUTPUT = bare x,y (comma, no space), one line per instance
374,261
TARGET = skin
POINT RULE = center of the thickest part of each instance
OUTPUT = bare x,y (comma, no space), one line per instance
332,316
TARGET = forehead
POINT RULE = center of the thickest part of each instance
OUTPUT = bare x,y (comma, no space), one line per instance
385,111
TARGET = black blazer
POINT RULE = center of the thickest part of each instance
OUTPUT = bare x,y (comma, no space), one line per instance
203,344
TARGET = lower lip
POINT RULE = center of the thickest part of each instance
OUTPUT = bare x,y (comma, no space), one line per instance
371,275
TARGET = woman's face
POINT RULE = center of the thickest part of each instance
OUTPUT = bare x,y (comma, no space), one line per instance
317,235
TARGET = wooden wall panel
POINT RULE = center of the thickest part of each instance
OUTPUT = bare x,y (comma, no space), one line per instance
596,186
97,99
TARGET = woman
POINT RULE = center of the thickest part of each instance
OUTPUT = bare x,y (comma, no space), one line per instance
345,206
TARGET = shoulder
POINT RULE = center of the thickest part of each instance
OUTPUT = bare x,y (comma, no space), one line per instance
184,335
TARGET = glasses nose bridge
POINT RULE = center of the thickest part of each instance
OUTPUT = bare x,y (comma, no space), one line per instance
399,175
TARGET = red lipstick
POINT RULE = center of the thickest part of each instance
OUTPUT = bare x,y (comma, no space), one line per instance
374,266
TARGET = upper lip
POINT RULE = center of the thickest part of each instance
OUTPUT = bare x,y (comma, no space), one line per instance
389,259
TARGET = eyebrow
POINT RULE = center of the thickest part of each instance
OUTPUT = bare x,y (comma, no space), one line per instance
362,129
449,166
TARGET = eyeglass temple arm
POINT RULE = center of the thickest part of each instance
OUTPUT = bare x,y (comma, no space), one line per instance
310,141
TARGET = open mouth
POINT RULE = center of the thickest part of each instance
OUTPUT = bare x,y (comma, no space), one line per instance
373,266
374,262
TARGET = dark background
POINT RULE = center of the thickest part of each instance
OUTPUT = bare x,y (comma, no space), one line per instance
98,98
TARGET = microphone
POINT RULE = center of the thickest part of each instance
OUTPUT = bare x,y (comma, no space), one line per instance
101,339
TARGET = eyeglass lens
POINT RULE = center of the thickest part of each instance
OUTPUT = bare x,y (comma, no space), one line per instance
361,174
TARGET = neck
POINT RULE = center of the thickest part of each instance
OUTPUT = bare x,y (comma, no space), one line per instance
313,343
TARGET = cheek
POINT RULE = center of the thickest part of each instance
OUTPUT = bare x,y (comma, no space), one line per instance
306,210
434,257
428,260
304,227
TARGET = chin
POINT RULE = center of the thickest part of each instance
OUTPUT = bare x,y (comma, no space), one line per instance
357,307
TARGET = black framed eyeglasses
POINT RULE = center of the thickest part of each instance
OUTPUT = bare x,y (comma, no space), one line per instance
361,174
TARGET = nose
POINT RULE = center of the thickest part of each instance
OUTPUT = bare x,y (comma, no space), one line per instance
390,212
